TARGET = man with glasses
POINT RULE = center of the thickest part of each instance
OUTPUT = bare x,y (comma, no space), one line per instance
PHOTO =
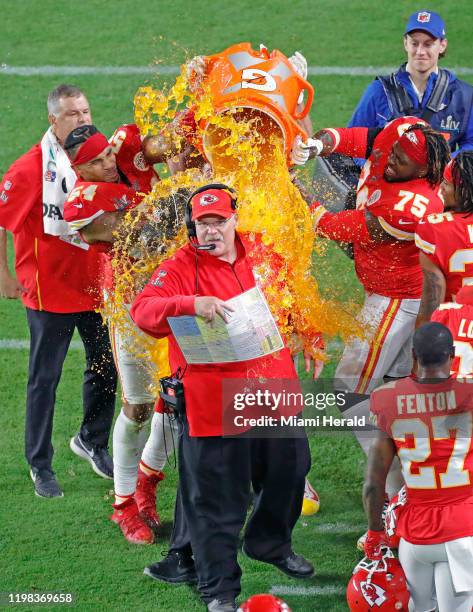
215,471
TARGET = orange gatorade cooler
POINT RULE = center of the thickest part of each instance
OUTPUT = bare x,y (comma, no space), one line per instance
241,78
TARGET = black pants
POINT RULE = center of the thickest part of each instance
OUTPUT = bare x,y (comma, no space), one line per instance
213,497
50,336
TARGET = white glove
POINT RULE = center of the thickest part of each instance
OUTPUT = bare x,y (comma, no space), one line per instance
299,64
301,150
195,70
263,48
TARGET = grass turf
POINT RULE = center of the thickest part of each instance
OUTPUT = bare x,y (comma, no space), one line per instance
69,544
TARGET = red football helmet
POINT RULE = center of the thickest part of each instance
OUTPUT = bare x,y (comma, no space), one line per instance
378,585
264,603
391,518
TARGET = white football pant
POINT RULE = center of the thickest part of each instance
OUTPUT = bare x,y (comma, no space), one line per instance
387,348
439,574
134,367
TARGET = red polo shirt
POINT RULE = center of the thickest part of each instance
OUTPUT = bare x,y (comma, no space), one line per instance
57,276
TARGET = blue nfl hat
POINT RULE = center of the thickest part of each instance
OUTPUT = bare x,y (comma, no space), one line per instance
427,21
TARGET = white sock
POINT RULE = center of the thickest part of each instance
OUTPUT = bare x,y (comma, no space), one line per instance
129,438
159,445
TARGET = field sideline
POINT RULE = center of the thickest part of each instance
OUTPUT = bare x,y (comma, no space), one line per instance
69,545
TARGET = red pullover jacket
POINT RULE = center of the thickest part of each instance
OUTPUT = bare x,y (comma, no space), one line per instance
170,293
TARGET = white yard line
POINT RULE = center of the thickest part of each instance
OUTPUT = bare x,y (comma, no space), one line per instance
26,71
25,344
338,528
329,589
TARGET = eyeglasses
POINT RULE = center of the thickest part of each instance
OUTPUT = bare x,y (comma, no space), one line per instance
204,227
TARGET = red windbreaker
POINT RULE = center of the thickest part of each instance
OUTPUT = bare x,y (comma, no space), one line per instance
171,292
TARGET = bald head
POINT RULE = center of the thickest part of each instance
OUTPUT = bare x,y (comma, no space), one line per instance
433,344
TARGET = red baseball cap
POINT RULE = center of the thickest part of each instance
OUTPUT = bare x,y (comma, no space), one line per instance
212,202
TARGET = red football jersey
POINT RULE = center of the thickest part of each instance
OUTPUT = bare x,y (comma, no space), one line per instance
58,276
459,320
126,144
447,240
87,201
388,268
432,428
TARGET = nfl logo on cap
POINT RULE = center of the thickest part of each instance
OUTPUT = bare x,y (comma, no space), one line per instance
426,21
423,17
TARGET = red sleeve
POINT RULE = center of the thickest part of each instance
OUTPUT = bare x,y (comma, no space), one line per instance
87,201
344,226
159,300
126,143
186,125
426,239
379,409
350,141
84,204
21,189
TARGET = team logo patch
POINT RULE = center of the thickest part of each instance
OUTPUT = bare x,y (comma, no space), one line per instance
373,593
157,282
7,185
412,137
254,78
140,162
207,199
374,197
162,273
50,176
3,197
423,17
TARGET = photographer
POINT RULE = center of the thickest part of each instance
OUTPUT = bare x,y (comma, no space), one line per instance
215,472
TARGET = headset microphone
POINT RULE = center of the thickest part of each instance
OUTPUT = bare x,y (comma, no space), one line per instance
203,247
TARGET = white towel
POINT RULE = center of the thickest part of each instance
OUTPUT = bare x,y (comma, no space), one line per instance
58,180
460,561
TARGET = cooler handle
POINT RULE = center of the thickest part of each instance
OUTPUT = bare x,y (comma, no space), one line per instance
305,85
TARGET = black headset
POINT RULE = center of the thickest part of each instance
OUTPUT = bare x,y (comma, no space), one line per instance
191,231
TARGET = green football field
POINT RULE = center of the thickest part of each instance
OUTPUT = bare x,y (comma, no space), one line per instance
69,545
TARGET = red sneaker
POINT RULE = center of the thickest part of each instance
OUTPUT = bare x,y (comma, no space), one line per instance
134,528
145,496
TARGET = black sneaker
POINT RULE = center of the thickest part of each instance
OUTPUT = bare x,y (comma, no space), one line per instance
293,565
176,567
98,456
222,605
45,483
